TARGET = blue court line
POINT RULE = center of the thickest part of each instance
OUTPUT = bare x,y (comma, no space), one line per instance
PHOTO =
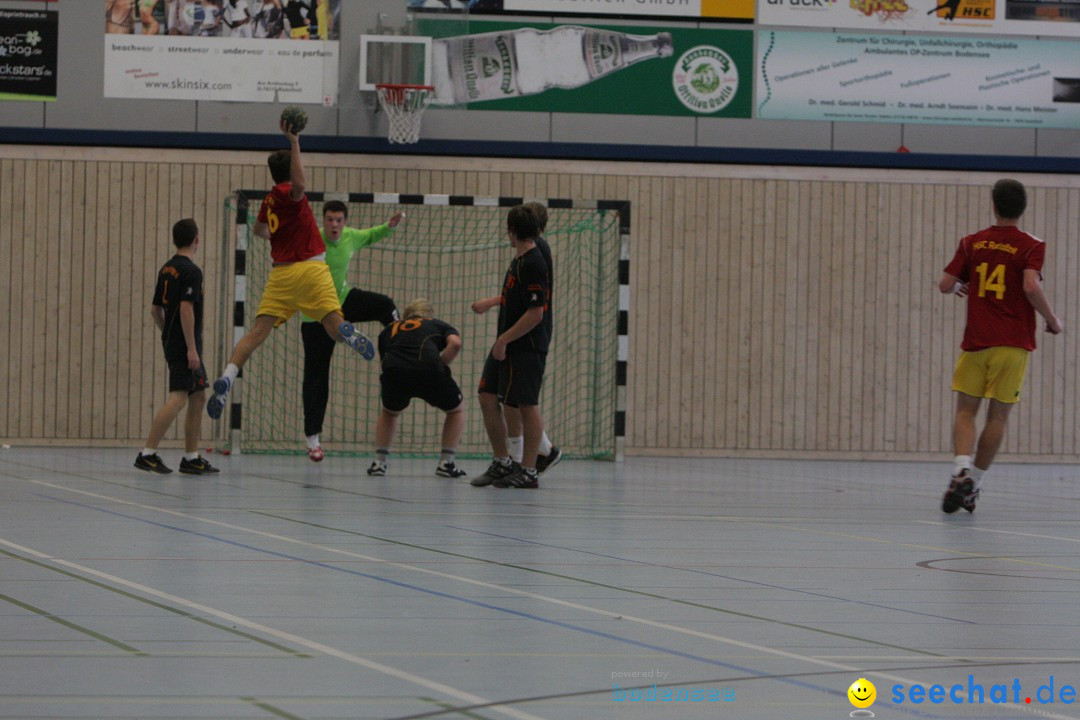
711,574
488,606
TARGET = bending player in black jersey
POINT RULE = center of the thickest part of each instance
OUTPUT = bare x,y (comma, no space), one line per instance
416,353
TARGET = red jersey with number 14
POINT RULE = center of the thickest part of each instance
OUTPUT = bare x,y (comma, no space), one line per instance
294,236
992,263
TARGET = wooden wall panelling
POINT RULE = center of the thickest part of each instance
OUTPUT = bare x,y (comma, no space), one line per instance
773,311
23,288
8,274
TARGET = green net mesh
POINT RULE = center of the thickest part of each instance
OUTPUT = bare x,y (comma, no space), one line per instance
452,255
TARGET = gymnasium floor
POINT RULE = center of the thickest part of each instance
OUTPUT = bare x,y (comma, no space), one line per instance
285,589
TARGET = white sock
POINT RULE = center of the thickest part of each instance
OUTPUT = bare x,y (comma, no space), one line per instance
977,476
191,457
312,441
504,461
447,455
231,372
517,447
146,452
961,463
545,444
382,455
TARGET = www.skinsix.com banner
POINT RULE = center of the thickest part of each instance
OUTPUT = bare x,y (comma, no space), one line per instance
1002,82
592,69
188,50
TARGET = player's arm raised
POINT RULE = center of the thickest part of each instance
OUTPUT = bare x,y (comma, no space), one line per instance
296,164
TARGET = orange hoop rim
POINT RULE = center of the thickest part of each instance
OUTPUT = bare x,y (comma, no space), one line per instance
398,86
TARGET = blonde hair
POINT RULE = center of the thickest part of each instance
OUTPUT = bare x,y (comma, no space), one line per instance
418,308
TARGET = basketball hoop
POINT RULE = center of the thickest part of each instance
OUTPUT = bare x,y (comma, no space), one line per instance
404,104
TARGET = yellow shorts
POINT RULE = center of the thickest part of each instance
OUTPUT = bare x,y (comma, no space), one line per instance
996,372
301,287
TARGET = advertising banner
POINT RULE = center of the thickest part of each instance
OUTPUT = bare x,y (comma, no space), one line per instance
28,44
232,50
1060,18
1003,82
592,69
719,10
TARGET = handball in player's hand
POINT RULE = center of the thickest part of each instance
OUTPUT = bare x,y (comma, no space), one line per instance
293,119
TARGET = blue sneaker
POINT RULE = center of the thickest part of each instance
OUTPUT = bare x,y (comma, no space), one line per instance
222,386
357,340
216,404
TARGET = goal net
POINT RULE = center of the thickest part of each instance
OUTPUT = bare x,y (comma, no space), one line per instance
452,250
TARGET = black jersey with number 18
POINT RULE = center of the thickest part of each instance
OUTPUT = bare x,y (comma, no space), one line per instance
414,344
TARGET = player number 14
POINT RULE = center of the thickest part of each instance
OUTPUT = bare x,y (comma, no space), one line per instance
994,282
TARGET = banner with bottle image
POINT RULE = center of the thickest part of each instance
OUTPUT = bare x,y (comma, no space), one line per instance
1050,18
231,50
928,79
592,69
718,10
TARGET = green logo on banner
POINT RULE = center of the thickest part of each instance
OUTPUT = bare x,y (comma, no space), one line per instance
705,79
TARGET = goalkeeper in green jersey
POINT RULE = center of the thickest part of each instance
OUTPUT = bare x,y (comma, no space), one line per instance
357,306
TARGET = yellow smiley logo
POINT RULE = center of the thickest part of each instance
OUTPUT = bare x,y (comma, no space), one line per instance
862,693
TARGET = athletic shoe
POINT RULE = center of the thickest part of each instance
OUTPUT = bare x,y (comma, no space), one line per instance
969,501
216,404
222,386
315,453
357,340
377,468
198,466
496,471
543,462
151,463
519,478
961,493
450,470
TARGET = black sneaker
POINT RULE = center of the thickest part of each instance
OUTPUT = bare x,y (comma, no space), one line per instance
450,470
961,492
519,478
198,466
376,469
969,501
496,471
543,462
151,463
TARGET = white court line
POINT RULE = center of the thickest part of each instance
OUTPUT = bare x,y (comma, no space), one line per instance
500,588
1006,532
280,634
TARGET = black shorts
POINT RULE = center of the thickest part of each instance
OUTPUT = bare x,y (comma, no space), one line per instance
520,377
489,378
183,379
400,385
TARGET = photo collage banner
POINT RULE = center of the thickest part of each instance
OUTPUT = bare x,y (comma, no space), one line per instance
231,50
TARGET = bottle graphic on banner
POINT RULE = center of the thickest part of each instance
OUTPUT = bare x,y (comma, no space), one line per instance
525,61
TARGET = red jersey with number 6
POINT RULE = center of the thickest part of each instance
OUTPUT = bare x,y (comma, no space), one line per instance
992,262
294,235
